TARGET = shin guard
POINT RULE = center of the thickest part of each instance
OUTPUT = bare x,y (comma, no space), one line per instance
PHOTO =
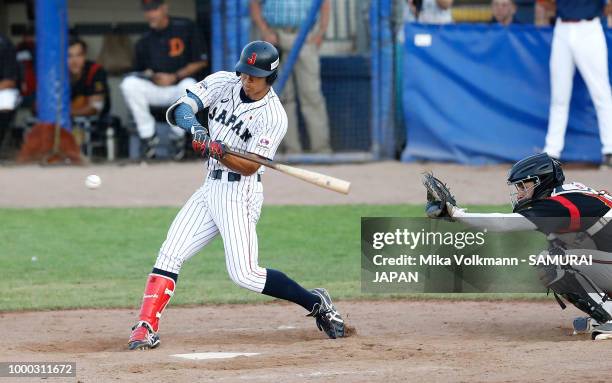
157,294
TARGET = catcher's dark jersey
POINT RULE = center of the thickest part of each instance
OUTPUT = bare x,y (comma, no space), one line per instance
574,208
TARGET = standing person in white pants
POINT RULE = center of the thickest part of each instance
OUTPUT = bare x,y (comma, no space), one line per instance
579,41
167,58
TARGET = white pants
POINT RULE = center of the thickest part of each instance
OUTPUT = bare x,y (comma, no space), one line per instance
9,98
583,45
139,93
219,207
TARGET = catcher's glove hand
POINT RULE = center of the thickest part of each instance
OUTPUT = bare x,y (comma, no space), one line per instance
439,198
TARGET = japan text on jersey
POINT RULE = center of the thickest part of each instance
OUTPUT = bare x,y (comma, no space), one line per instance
244,125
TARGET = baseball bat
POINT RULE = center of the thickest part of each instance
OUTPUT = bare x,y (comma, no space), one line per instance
321,180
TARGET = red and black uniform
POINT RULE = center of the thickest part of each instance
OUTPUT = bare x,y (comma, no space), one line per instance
573,208
93,81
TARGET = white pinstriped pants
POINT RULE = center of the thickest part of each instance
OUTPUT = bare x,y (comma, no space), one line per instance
229,208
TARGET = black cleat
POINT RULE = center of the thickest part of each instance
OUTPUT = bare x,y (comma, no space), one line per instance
327,317
143,337
602,332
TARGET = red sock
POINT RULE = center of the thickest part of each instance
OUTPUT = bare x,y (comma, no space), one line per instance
157,294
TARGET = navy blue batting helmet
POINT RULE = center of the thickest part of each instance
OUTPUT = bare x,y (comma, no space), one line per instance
259,59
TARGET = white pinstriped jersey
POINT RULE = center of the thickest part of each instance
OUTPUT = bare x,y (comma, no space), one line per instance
256,127
230,209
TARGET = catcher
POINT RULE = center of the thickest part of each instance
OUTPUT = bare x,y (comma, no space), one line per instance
579,219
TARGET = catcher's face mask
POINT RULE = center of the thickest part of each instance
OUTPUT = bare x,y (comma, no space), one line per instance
522,190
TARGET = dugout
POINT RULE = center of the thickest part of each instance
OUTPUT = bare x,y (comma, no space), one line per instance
345,63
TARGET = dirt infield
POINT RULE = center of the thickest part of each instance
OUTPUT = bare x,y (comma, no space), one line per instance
171,184
396,341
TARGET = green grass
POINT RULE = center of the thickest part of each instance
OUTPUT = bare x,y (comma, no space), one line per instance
100,257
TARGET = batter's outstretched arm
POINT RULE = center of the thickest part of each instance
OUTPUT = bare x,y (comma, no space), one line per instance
240,165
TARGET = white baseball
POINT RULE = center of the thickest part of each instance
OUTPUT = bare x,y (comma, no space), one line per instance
93,181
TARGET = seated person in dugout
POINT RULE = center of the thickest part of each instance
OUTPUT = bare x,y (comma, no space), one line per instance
575,218
9,94
168,58
89,94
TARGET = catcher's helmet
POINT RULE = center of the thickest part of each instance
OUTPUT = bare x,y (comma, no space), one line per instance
544,171
259,59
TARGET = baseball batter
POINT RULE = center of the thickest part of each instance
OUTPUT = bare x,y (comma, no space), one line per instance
576,219
244,114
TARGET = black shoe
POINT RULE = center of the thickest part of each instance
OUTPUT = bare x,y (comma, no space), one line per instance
584,325
150,146
602,332
327,317
143,337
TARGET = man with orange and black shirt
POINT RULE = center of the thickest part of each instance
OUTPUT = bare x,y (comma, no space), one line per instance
168,58
89,95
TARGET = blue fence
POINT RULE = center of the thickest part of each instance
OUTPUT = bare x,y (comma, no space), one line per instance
359,96
347,95
479,94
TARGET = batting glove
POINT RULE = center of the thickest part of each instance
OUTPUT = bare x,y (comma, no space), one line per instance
215,149
199,136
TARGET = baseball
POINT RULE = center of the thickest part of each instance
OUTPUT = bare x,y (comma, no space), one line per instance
93,181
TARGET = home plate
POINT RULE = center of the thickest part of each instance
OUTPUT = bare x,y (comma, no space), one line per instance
213,355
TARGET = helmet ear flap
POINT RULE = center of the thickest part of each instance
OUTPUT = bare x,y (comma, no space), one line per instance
271,78
237,73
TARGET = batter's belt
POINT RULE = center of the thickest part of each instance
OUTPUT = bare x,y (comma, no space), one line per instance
231,176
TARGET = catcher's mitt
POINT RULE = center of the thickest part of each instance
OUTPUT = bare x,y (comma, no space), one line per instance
438,194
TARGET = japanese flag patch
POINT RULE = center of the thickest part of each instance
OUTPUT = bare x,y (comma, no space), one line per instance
264,142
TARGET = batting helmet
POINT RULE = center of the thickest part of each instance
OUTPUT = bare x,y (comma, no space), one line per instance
544,171
259,59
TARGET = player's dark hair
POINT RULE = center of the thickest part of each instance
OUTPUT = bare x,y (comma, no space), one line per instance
75,40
